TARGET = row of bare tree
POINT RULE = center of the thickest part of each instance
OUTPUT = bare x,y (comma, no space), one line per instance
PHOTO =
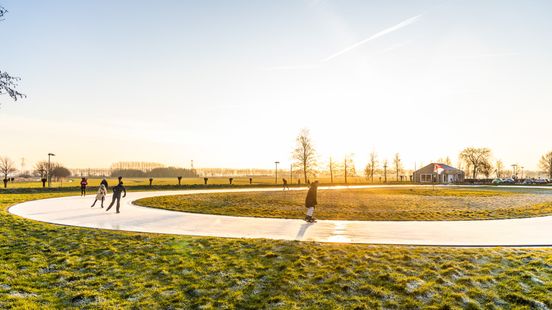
8,168
474,161
306,161
479,161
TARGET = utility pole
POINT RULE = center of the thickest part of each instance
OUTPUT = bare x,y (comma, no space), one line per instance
49,175
276,178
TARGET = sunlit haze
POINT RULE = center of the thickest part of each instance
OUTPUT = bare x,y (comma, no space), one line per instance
231,83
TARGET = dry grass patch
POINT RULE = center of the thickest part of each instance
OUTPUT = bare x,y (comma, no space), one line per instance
376,204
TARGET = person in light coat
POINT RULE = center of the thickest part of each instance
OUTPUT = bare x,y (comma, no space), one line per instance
102,192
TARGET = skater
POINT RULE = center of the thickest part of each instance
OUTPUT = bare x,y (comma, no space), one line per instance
102,192
83,184
104,183
285,184
310,202
117,190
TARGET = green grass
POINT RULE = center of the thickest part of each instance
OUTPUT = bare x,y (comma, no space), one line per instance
377,204
46,266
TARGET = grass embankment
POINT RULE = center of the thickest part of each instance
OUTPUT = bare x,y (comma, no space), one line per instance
46,266
377,204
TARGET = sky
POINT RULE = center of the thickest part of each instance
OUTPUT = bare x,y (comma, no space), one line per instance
231,83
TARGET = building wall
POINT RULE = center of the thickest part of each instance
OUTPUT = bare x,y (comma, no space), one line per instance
427,175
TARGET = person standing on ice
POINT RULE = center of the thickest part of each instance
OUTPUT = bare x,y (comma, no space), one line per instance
310,202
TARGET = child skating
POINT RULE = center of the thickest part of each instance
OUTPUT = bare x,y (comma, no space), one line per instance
102,192
310,202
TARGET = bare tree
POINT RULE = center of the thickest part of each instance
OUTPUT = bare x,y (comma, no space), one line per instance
477,158
305,154
372,165
7,166
41,169
8,83
445,160
348,167
486,169
545,164
499,168
398,165
331,165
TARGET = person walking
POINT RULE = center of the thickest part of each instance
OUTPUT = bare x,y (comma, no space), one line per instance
102,192
285,184
117,191
310,202
104,183
83,184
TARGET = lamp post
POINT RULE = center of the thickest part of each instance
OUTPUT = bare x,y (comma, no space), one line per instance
385,171
276,177
522,172
49,175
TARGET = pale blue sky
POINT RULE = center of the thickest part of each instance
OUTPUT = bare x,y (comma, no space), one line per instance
230,83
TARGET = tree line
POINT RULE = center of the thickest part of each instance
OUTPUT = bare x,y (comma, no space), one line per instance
474,161
159,172
306,162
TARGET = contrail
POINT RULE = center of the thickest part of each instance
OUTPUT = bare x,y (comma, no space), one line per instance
398,26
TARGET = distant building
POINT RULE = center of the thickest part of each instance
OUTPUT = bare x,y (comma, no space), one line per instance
438,173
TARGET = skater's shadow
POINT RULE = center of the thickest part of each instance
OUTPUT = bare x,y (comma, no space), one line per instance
302,231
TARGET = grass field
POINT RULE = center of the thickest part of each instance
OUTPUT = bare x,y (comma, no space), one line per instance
45,266
377,204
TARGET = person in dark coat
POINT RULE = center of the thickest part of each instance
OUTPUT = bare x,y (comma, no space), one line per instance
117,191
104,182
83,184
310,202
285,183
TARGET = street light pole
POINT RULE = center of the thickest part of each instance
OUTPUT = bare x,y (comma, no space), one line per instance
49,175
522,172
385,172
276,178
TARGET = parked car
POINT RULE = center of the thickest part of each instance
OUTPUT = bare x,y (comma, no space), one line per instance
528,181
497,181
541,181
508,181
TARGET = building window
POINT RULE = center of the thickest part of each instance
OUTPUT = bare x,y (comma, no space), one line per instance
425,178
